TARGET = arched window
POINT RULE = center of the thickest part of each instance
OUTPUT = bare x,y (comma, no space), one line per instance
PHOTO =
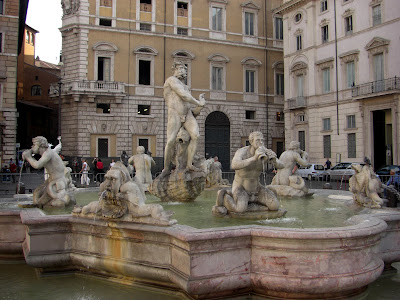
36,90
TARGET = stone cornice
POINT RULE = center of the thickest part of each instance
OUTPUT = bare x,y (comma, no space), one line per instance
288,6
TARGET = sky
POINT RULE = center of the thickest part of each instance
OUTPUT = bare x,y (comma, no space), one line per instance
45,17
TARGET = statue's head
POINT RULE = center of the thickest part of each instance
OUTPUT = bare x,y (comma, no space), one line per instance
114,178
294,145
180,70
39,142
256,139
140,150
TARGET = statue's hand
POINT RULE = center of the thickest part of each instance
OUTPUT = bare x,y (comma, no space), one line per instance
271,154
260,153
27,153
304,155
202,100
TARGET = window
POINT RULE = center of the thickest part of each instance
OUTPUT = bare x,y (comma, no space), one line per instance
300,92
376,15
378,67
36,90
280,116
1,6
324,34
181,31
216,78
217,18
186,57
102,147
327,145
182,9
302,139
326,80
302,118
350,74
299,45
278,28
249,23
351,121
145,27
105,22
106,3
326,124
103,108
145,143
279,84
103,68
145,5
250,81
1,42
324,5
27,37
143,110
250,114
348,24
144,72
297,17
351,145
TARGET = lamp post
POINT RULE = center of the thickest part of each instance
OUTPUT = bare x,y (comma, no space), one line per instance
59,108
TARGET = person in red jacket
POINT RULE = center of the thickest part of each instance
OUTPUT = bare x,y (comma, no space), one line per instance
13,169
100,170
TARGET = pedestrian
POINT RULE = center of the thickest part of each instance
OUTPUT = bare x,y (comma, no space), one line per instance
100,170
85,180
20,164
112,163
327,164
124,158
13,169
95,170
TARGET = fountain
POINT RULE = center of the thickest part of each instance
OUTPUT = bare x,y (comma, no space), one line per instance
121,237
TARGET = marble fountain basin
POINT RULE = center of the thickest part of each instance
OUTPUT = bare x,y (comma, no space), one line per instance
311,262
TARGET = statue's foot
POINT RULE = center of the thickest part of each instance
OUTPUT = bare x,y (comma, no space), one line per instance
219,210
165,173
193,168
77,209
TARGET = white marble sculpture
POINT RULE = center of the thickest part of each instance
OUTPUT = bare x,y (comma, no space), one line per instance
187,181
56,190
123,198
365,186
287,182
142,163
214,172
248,198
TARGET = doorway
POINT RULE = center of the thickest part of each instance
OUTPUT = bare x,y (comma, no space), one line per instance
217,141
382,131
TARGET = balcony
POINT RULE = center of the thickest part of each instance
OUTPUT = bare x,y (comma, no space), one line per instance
376,87
90,88
298,102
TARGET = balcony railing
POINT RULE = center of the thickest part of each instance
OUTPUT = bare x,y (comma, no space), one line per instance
374,87
90,87
297,102
145,7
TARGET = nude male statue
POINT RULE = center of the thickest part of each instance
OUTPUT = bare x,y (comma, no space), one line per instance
54,188
246,189
180,114
142,164
290,158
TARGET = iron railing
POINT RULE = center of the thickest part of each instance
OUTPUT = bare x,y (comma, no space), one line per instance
378,86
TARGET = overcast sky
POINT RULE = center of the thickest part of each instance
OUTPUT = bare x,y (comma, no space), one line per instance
45,17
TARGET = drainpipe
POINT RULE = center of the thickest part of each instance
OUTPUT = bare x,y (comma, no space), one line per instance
265,70
164,64
336,72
